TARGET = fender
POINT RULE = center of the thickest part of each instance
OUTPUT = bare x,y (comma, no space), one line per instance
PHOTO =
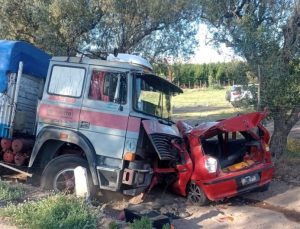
62,136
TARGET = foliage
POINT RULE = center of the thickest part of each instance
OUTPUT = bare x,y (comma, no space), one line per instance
143,223
56,26
155,28
9,193
113,225
207,74
266,34
59,211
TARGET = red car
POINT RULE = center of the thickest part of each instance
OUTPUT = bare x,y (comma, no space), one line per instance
224,158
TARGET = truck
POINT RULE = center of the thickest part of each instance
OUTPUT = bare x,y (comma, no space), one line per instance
112,115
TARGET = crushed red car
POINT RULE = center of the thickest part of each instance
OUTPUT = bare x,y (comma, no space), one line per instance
222,159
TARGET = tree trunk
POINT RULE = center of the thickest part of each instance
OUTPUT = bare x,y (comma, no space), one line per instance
282,128
279,139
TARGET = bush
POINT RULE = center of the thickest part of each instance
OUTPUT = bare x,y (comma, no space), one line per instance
9,193
59,211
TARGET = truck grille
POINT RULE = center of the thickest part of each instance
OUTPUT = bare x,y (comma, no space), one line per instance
163,146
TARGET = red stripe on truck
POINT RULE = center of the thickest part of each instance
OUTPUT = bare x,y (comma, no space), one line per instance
105,120
59,113
66,114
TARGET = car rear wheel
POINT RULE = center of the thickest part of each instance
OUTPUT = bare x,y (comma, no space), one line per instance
59,174
196,195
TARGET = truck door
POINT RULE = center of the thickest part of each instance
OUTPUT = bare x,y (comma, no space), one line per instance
104,114
62,97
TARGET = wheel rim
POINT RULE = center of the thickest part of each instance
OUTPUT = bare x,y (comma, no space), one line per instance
64,181
195,194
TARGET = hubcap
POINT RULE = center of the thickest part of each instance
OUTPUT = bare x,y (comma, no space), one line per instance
64,181
195,194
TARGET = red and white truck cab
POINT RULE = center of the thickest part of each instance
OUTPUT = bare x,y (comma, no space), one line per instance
97,113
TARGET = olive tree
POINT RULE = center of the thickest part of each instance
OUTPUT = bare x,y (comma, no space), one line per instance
267,34
155,28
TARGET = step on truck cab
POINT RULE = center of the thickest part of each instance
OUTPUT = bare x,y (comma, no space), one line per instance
111,116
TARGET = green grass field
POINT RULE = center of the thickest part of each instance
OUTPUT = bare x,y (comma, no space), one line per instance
204,105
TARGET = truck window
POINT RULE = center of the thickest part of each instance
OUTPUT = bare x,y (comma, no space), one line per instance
104,87
66,81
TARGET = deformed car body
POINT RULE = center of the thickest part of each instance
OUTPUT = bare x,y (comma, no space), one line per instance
229,157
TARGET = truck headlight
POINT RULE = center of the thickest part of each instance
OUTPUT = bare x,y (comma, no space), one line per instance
211,164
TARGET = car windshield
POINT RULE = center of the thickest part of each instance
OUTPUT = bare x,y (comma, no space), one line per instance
151,98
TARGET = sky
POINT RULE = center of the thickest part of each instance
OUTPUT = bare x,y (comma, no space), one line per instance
206,53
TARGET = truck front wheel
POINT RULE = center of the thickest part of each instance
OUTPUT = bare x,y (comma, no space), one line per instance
59,174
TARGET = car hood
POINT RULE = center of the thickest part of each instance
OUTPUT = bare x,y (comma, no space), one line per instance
238,123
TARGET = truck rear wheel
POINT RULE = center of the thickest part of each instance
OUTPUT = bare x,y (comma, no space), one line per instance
59,174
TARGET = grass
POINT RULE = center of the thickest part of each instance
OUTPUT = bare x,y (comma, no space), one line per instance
10,193
59,211
204,105
143,223
293,146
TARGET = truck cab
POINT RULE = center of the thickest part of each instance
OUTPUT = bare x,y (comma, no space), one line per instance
111,116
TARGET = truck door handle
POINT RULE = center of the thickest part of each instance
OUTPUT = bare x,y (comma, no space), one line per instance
84,124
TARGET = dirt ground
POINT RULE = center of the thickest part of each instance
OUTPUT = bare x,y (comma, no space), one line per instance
279,207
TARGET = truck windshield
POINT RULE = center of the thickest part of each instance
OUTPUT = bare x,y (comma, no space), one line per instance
151,98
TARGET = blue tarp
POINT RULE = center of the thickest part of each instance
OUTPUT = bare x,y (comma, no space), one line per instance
35,61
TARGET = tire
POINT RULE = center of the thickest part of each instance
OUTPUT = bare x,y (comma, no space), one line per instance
196,195
58,173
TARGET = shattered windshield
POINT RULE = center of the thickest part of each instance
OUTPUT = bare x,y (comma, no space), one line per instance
151,98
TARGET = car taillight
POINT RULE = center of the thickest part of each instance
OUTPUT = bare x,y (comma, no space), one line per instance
267,148
211,164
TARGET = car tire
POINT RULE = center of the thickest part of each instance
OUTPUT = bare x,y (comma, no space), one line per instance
196,195
58,167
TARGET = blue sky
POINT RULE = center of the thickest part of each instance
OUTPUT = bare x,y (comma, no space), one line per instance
206,53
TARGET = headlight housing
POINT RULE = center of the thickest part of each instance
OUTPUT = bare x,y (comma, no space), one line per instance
211,164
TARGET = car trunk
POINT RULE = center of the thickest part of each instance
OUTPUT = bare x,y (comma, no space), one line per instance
236,142
234,151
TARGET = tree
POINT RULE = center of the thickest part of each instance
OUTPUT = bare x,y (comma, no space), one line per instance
267,34
154,28
58,27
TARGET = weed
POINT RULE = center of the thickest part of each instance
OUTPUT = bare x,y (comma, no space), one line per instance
143,223
9,193
113,225
59,211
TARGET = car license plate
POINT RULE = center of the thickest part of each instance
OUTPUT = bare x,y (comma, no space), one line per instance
250,179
